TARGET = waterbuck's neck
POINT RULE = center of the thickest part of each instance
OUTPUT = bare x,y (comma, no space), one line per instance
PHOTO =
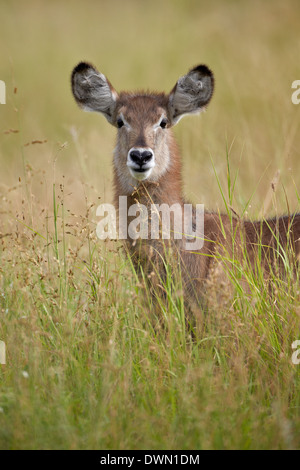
165,190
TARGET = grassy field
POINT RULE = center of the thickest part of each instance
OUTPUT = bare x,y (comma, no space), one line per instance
85,369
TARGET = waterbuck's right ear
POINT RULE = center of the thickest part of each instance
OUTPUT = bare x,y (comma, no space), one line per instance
191,93
92,91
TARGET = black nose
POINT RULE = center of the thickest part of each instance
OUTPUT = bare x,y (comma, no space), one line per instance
141,158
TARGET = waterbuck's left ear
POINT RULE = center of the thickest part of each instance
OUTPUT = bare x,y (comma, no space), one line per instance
191,93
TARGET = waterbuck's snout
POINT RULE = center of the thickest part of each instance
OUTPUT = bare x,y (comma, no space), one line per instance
140,162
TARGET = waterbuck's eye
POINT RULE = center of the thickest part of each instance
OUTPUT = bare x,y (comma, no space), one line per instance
163,123
120,123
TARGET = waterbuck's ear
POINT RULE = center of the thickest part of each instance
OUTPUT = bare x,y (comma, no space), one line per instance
92,91
191,93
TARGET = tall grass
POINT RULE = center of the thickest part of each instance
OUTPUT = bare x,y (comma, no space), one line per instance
91,362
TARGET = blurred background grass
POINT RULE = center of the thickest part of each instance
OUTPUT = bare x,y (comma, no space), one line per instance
252,47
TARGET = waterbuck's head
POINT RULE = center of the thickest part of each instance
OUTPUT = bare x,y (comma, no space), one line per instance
143,119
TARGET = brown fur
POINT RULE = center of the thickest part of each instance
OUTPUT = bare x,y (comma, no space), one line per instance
225,237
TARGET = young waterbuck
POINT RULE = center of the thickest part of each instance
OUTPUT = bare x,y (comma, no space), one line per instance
147,171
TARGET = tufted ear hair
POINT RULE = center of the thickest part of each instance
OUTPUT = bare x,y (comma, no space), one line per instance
191,93
92,91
